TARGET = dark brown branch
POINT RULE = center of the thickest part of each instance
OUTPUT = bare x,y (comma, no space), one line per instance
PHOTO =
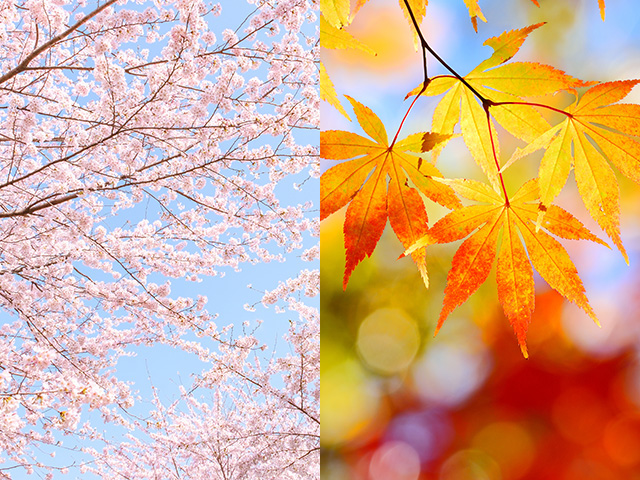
24,64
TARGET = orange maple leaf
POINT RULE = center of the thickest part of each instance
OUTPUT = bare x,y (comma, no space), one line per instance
515,218
601,6
376,186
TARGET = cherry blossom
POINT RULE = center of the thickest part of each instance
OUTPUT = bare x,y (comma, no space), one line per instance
145,144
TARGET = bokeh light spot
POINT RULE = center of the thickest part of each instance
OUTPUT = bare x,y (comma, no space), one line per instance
622,440
470,465
394,461
428,432
448,373
393,44
510,445
388,340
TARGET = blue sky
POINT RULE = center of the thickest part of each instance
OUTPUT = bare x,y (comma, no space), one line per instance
227,295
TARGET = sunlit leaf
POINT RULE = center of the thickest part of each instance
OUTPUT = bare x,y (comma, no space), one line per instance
594,133
521,248
376,187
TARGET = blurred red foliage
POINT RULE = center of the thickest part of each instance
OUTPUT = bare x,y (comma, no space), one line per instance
560,415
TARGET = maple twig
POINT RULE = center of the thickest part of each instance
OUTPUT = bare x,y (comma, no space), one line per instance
423,42
541,105
425,82
425,46
495,157
424,87
486,103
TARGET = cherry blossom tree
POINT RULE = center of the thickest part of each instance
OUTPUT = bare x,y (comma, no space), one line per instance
143,143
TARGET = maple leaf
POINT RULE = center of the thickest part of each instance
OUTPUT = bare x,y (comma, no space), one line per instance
328,92
375,184
335,38
419,9
336,12
596,130
338,38
601,5
497,82
359,5
474,13
521,248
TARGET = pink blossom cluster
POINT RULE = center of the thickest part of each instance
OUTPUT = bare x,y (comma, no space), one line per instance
143,142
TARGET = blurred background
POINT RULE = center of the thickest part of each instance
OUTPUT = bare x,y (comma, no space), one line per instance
399,404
